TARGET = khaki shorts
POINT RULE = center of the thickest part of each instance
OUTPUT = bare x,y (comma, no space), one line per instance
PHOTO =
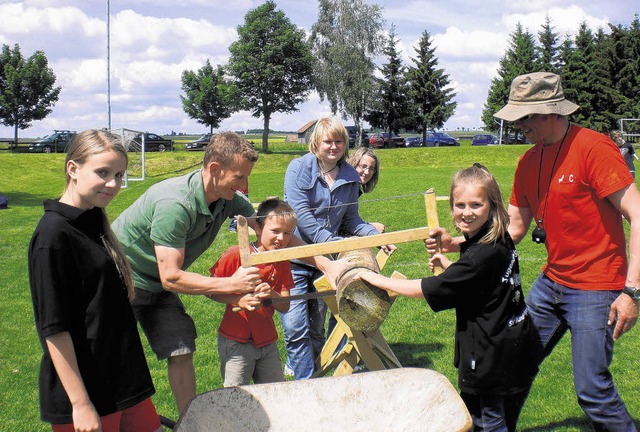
169,329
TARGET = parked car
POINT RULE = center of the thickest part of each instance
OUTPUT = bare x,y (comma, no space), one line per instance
199,144
484,139
516,137
353,134
414,141
440,139
56,142
381,139
153,142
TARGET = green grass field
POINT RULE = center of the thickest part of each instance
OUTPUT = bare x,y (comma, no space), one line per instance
418,337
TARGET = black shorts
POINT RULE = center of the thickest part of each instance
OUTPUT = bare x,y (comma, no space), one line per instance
169,329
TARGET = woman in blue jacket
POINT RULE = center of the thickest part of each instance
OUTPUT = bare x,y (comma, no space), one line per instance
323,191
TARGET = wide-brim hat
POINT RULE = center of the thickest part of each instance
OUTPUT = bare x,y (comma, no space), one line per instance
536,93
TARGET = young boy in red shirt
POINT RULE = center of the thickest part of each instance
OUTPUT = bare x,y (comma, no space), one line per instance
247,339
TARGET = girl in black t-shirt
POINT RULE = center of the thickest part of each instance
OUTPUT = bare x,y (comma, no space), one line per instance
93,373
492,325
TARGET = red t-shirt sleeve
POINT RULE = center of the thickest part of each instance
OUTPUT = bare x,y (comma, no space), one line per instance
606,169
518,196
227,264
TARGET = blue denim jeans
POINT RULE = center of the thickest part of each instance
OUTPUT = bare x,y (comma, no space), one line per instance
303,324
494,413
554,309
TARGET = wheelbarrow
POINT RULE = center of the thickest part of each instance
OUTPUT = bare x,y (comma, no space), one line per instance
405,399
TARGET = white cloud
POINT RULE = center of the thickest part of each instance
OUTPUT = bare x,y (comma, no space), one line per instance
154,41
82,76
565,20
469,45
137,35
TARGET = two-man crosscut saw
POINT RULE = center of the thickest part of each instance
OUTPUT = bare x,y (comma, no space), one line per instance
414,234
305,296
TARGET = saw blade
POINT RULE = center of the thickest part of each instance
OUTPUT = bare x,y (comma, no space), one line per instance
305,296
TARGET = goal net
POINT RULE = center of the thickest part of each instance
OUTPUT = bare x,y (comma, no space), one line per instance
135,150
630,129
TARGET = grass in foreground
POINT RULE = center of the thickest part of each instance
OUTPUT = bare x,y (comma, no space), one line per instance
418,337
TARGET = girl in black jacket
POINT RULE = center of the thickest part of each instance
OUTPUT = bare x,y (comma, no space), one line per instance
492,325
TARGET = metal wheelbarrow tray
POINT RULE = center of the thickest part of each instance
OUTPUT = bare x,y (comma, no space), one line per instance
406,399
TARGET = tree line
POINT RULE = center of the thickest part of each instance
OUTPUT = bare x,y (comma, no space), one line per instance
600,71
274,65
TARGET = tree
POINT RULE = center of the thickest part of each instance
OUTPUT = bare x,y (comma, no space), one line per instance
391,111
600,72
548,52
579,75
628,77
27,91
346,36
272,64
210,98
519,59
606,101
429,91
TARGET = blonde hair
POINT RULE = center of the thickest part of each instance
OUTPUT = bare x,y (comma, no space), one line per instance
333,128
92,142
480,176
354,161
275,208
224,147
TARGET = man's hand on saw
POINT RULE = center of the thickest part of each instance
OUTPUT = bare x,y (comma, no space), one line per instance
244,280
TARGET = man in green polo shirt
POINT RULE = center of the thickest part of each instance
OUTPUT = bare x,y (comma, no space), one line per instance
167,228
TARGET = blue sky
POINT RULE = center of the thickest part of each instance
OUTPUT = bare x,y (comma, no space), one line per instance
153,41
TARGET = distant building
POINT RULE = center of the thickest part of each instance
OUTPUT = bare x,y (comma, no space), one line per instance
304,133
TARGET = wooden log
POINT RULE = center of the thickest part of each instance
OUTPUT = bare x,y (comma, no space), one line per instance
361,305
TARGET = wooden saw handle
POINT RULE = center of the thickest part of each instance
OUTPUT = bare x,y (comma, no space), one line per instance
431,208
244,246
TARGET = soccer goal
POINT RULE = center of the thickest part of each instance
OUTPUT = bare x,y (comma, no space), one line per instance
134,142
630,129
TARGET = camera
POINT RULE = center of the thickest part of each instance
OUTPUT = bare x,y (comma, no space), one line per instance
539,235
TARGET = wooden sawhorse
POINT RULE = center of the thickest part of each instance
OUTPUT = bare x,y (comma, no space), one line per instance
370,347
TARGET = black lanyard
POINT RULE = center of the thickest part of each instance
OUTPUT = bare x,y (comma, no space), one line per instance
540,219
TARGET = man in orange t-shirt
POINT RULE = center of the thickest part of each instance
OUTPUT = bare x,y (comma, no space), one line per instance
575,186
